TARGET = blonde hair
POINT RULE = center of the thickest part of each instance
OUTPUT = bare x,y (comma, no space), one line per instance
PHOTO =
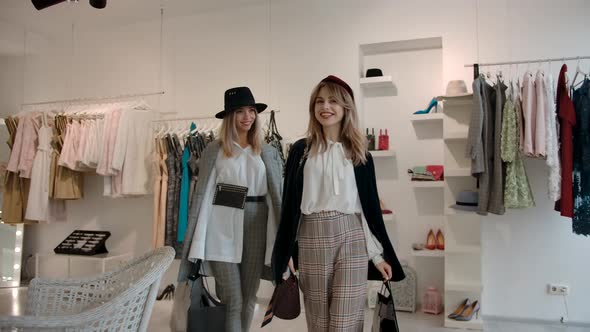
229,134
355,143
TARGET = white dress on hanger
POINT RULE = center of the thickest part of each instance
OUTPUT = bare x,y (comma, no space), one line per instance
39,206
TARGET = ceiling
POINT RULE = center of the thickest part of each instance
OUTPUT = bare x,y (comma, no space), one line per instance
59,18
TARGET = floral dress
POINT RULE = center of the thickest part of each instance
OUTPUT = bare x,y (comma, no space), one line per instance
517,191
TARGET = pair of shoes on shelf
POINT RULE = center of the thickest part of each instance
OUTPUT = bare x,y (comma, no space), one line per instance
465,311
167,293
435,241
383,209
433,103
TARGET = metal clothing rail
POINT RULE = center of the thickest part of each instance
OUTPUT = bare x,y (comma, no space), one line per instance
527,61
200,118
91,100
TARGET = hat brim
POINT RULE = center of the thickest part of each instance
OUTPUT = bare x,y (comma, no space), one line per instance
470,208
260,107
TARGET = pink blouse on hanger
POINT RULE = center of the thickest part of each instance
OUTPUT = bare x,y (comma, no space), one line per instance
529,111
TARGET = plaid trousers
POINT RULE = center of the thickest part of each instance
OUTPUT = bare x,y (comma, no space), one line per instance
236,285
333,265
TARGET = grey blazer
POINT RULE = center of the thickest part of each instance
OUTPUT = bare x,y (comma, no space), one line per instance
274,178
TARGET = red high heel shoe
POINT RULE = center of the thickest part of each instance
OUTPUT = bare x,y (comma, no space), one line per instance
440,240
430,241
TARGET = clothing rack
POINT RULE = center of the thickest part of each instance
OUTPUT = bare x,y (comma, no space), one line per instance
200,118
98,99
562,59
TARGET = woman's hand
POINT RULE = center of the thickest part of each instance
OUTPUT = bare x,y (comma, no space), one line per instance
385,270
290,269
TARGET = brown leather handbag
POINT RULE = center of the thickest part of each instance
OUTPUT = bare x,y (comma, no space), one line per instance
284,302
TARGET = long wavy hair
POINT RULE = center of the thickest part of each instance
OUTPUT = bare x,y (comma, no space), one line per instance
354,142
228,134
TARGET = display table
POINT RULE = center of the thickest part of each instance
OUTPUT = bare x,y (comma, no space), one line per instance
51,265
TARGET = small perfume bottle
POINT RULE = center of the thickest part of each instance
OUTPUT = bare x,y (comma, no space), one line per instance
383,140
371,139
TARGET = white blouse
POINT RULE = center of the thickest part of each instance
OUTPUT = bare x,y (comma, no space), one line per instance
329,184
219,232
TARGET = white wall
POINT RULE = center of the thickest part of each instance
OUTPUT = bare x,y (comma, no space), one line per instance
207,53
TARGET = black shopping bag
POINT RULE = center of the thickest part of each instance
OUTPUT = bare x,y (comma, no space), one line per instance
384,318
205,313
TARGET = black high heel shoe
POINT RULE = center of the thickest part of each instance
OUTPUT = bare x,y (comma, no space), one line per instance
167,293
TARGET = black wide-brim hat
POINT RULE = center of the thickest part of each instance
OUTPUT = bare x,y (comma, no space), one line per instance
239,97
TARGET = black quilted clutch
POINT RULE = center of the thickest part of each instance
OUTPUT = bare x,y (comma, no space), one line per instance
230,195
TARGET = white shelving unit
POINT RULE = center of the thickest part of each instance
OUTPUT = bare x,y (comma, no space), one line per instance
428,253
462,228
383,153
427,117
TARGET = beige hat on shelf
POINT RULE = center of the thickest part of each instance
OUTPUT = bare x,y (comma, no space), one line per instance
455,89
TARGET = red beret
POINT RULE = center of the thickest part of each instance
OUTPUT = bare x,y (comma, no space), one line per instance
338,81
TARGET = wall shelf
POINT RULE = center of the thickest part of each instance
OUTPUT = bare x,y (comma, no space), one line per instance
458,104
382,153
428,184
377,82
428,253
388,217
427,117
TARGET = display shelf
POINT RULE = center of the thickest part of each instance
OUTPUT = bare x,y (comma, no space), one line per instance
455,135
428,253
382,153
457,286
457,172
377,82
428,184
434,117
458,104
474,324
388,217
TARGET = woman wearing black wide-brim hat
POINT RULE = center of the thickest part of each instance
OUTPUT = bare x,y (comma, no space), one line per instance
234,215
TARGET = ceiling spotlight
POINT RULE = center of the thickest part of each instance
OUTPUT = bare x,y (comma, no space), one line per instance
99,4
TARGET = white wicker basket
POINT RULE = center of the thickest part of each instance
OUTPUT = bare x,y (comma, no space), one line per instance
121,300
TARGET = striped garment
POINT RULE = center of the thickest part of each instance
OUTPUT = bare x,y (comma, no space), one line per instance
333,271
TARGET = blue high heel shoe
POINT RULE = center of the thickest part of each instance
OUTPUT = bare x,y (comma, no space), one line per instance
433,103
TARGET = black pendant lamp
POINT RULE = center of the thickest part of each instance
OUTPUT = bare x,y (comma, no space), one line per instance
42,4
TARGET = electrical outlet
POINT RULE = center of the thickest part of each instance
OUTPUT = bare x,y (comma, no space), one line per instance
555,289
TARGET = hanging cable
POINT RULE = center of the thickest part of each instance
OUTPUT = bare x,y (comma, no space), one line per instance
477,28
161,57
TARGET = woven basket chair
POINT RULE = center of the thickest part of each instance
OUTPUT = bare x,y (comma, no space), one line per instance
120,300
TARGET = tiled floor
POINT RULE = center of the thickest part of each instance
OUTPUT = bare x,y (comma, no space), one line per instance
12,301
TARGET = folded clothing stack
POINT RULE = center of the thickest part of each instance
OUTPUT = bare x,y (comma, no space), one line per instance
427,173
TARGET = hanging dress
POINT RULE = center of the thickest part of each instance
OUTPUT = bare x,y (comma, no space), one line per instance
581,185
40,207
567,122
517,192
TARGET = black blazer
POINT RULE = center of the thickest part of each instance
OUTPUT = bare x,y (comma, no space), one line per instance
286,245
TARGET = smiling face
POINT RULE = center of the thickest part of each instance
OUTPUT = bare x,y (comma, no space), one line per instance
327,110
244,118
